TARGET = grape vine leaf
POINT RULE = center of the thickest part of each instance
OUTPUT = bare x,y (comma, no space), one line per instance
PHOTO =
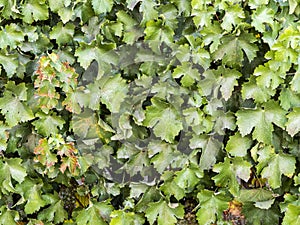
234,15
30,190
12,104
9,62
4,135
62,33
121,217
164,119
261,120
230,171
257,216
170,187
11,168
55,212
292,215
293,123
113,91
11,35
156,31
97,213
102,6
8,217
277,165
238,145
48,124
212,206
232,49
210,148
262,17
34,10
164,213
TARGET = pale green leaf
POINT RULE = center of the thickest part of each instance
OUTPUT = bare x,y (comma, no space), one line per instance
238,145
34,10
47,125
9,62
102,6
278,165
164,213
234,15
161,115
293,123
54,213
113,91
63,34
97,213
11,35
262,17
230,171
261,120
210,148
12,105
212,206
120,217
292,215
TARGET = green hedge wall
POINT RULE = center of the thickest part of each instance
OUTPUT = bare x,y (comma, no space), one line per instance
149,112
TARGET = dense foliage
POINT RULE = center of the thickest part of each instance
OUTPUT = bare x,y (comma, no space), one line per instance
149,112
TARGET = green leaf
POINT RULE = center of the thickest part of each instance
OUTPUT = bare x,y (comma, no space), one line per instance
8,217
238,145
11,168
12,105
30,190
234,15
212,206
293,123
149,11
156,31
97,213
120,217
131,32
262,17
255,195
230,171
161,115
102,6
232,50
9,9
202,17
9,62
261,120
289,99
4,135
54,213
164,213
162,154
11,35
188,74
210,148
292,215
113,91
170,187
278,165
63,34
187,178
266,77
34,10
48,124
260,94
257,216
